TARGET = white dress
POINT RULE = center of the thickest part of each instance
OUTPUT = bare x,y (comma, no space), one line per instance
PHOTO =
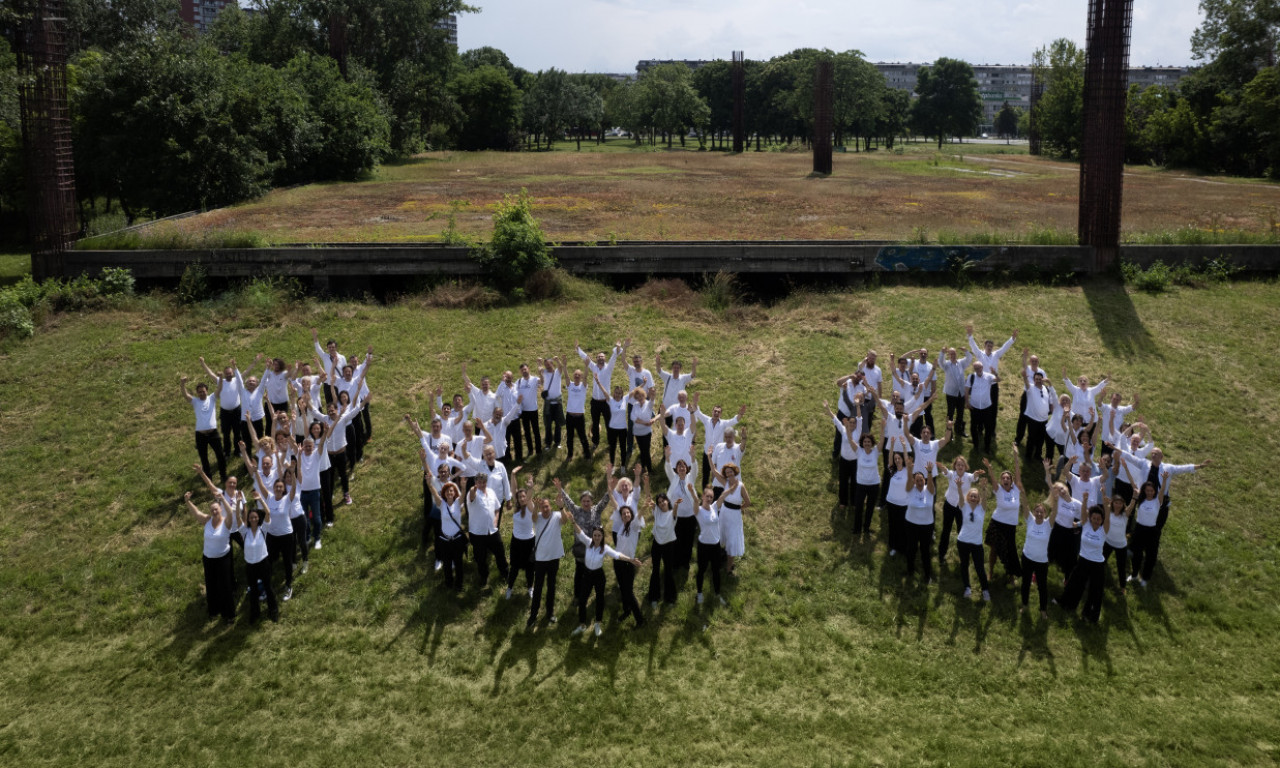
731,536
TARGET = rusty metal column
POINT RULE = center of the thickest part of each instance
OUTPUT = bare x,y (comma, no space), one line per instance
824,91
1102,152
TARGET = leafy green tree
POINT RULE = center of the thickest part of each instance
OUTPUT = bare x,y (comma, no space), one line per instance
1262,107
12,188
490,105
1240,36
893,116
670,105
948,103
1060,111
714,83
1007,121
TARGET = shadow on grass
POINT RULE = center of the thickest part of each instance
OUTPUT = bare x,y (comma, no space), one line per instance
1119,325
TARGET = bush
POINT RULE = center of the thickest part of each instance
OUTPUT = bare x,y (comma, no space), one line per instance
518,248
194,285
721,291
544,284
117,281
1154,279
462,296
15,318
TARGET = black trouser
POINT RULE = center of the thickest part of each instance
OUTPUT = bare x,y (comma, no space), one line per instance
260,574
920,537
848,472
521,549
233,429
1145,544
576,423
205,440
599,410
219,592
1003,540
1122,562
616,437
644,451
897,514
1035,437
864,506
1086,573
429,524
1064,547
300,524
553,415
710,556
353,444
955,412
481,547
282,548
995,397
984,425
706,467
662,567
1023,419
367,425
1039,572
591,581
625,573
835,443
338,462
544,571
326,494
928,419
950,518
686,534
971,552
449,553
1050,444
514,447
532,433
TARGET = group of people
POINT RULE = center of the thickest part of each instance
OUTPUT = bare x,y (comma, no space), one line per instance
1108,489
477,444
300,430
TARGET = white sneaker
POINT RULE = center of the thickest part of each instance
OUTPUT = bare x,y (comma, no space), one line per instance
317,543
530,593
439,565
699,598
579,629
328,525
507,596
304,566
986,595
1128,578
968,592
346,500
288,594
893,552
599,629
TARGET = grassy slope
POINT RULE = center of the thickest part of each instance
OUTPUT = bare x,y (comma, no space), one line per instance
824,656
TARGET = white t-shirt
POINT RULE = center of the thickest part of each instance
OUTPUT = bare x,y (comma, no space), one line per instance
1008,505
206,413
1036,546
664,526
672,386
1148,512
708,525
868,467
920,506
1068,512
522,524
577,398
971,522
1091,541
217,539
546,535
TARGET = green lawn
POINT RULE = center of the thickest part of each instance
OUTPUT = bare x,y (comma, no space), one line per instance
824,656
13,266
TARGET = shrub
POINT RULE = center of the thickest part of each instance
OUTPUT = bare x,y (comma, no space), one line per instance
544,284
194,285
518,248
117,281
15,318
462,296
1154,279
720,291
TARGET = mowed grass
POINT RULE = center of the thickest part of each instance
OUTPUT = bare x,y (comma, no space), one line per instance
13,266
648,193
826,654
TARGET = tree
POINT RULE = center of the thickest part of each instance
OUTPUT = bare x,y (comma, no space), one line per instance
1241,36
1262,109
668,103
893,115
490,105
1060,111
948,103
1007,121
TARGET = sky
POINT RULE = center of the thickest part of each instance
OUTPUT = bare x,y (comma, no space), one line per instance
612,35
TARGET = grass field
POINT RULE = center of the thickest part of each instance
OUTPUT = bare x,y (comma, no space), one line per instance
825,656
967,192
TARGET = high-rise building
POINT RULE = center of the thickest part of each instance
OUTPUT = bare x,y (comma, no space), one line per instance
201,13
450,25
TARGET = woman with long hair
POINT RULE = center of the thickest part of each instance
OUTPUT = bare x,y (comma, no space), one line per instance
959,481
596,552
452,541
895,500
918,518
663,551
1002,531
219,591
732,501
969,541
1035,554
257,559
1089,571
522,535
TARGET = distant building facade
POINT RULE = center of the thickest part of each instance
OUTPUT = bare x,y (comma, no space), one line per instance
645,65
450,26
201,13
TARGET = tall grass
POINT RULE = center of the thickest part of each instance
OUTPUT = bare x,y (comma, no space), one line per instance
169,238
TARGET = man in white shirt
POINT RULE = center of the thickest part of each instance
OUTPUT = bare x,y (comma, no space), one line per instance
600,373
982,410
1038,399
673,384
1084,398
713,432
483,398
484,514
553,394
990,357
729,451
848,407
1111,416
509,399
1031,362
637,376
495,432
330,358
234,430
874,378
922,368
953,387
206,426
528,390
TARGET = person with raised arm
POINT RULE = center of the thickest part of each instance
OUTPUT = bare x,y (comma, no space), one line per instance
849,406
257,559
918,534
600,370
1111,417
522,535
732,501
575,416
219,583
928,374
548,549
331,360
1002,531
710,553
953,386
206,411
924,449
452,415
310,464
252,391
662,577
640,408
969,541
850,432
1084,398
352,382
281,545
484,517
588,516
917,396
872,380
1064,540
638,377
1030,367
228,406
594,552
979,398
336,445
1117,534
494,433
866,490
725,453
1090,568
1150,518
616,424
276,383
630,524
623,492
682,472
990,358
1035,553
678,437
673,383
552,376
483,399
893,434
959,481
451,541
894,487
713,429
528,390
